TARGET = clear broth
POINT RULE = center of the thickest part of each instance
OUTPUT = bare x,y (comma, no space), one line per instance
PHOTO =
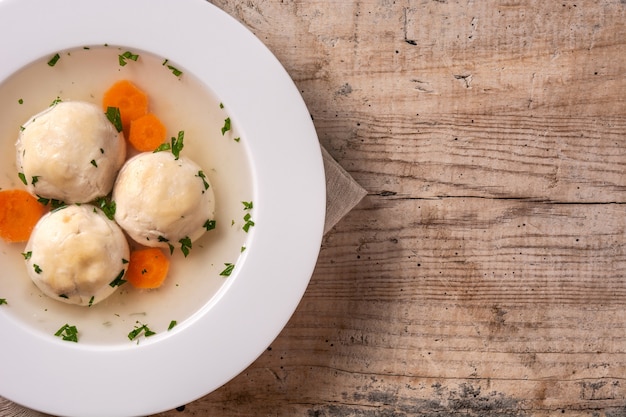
183,103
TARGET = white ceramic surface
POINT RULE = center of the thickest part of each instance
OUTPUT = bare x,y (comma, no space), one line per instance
230,330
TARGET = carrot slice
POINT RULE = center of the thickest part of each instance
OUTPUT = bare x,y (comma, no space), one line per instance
19,213
147,133
147,268
129,99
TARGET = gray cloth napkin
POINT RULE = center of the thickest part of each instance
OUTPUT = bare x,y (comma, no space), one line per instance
342,194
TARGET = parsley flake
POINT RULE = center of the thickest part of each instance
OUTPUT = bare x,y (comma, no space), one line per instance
119,280
141,328
35,179
37,269
247,205
3,301
173,323
22,177
107,206
203,177
185,245
113,114
56,101
249,223
228,270
53,61
68,333
177,144
94,163
126,55
27,255
226,126
209,224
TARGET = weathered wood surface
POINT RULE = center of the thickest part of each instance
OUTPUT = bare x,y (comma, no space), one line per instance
483,274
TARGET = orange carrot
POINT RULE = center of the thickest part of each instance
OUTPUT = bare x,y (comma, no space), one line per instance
147,268
147,133
129,99
19,213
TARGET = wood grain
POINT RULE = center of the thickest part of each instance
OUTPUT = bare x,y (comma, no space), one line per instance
483,275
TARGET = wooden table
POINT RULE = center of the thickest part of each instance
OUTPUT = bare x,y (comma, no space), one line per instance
484,273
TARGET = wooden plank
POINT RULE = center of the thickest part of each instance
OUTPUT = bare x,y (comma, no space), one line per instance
484,273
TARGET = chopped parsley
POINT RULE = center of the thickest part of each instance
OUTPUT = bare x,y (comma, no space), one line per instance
54,203
209,224
176,145
164,239
127,55
37,269
141,328
247,205
119,280
94,163
35,179
27,255
174,70
237,139
249,223
243,248
226,126
56,101
107,206
185,245
53,61
173,324
221,105
203,177
91,301
20,101
228,270
113,114
3,301
68,333
22,177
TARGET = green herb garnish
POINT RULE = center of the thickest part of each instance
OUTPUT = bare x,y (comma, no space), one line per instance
91,301
53,61
107,206
209,224
27,255
138,330
249,223
247,205
3,301
56,101
119,280
94,163
37,269
226,126
203,177
228,270
113,114
185,245
35,179
173,323
20,101
68,333
177,144
22,177
127,55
